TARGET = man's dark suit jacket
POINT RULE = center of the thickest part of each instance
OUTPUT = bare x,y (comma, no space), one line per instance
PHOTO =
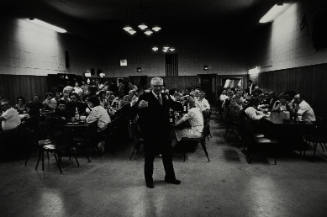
154,121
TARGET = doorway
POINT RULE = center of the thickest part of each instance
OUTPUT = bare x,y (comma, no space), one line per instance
208,83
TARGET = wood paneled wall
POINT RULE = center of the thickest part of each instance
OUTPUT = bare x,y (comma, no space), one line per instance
181,82
310,81
12,86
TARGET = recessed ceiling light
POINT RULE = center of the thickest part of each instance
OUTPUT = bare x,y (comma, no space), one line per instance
156,28
171,49
127,28
142,26
148,32
131,32
155,48
165,49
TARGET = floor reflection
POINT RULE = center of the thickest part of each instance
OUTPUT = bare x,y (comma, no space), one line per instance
51,204
264,197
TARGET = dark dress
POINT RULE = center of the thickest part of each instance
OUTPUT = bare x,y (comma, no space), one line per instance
156,129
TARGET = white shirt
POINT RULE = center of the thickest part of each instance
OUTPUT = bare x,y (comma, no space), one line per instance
100,115
306,112
203,104
253,114
12,119
195,118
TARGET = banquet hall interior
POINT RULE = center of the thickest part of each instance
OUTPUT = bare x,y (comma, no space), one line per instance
242,97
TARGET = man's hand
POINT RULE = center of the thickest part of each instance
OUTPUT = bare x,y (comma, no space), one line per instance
143,104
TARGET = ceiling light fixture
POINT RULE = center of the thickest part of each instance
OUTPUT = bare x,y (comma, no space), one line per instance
48,25
131,32
165,49
171,49
274,12
156,28
148,32
142,26
155,49
127,28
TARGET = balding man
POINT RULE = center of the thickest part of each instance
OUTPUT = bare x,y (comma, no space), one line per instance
304,109
153,110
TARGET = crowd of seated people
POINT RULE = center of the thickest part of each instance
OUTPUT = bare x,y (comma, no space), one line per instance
104,104
260,103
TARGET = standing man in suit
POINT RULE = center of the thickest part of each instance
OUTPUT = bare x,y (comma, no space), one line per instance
153,110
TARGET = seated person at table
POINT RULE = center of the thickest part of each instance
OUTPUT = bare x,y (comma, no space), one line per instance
74,104
50,102
20,106
195,118
98,114
61,112
202,103
9,118
252,112
280,104
303,109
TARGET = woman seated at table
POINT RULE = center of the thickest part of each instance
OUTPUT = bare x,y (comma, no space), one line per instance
195,118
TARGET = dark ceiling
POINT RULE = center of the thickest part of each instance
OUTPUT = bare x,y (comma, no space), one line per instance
106,17
150,9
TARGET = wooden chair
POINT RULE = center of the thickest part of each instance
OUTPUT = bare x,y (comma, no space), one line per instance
186,142
49,147
317,136
254,140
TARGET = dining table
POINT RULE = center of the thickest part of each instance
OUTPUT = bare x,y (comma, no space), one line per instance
287,131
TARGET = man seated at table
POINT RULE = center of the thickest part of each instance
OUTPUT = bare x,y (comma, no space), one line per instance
61,112
195,118
99,115
75,105
9,118
252,112
303,109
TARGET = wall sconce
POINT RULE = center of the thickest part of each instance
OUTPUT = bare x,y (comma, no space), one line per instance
139,69
205,68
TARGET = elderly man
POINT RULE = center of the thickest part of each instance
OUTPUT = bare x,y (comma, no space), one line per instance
303,109
153,109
